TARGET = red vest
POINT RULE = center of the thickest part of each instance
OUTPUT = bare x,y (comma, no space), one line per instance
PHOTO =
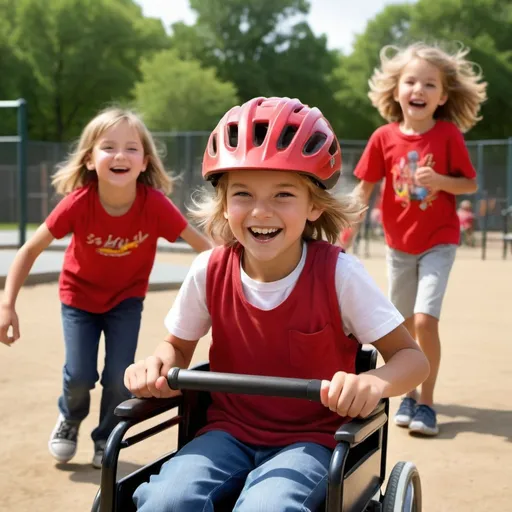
302,337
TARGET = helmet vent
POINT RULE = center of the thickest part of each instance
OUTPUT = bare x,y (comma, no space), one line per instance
259,133
213,145
314,143
333,149
296,110
286,137
233,135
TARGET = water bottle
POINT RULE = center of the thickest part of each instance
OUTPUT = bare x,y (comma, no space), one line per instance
417,193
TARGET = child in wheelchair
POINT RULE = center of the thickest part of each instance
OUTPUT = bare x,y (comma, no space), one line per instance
281,300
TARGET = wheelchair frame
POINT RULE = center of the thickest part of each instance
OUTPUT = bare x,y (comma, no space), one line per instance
356,473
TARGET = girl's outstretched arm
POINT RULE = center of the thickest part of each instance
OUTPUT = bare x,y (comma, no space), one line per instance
196,239
18,272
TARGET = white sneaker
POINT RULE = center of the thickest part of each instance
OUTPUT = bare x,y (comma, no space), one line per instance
63,440
99,450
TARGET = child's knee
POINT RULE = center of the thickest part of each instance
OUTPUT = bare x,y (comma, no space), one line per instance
165,496
162,499
425,325
80,378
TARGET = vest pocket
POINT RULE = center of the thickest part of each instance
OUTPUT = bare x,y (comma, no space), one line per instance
313,355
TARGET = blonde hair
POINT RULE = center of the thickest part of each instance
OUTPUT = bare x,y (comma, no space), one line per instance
337,213
73,173
461,83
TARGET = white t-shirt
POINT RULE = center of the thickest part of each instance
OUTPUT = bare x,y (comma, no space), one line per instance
366,312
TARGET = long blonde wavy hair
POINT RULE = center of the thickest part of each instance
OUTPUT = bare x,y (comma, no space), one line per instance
462,83
73,173
338,212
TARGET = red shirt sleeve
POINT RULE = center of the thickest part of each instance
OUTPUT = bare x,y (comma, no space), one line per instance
371,166
61,219
171,222
459,161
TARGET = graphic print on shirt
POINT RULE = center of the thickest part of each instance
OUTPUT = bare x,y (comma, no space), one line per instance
116,246
403,180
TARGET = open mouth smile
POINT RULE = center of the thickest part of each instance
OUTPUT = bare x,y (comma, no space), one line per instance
417,103
264,234
119,170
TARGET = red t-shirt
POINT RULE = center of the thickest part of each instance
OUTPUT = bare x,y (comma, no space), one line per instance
110,258
416,225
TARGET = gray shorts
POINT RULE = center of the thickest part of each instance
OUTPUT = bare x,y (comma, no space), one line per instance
417,282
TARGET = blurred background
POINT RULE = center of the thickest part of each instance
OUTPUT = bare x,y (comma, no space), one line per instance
183,63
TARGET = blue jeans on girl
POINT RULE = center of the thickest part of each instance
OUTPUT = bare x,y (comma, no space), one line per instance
82,332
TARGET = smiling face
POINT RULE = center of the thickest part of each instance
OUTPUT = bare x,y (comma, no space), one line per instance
420,92
267,212
118,156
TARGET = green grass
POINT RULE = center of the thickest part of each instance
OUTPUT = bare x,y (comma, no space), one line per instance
13,226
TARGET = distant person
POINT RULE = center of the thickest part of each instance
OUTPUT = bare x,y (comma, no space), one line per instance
467,222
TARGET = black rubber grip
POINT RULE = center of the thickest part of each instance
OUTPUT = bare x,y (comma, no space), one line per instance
244,384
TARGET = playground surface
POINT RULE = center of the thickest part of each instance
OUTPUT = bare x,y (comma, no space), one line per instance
467,467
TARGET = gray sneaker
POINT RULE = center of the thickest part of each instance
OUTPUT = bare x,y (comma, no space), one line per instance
63,440
406,411
99,450
424,422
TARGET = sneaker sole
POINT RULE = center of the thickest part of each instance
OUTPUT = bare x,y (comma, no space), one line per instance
402,421
422,429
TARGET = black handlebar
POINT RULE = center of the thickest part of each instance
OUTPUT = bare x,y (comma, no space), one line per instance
244,384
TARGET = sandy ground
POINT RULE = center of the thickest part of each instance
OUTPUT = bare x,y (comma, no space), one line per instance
466,468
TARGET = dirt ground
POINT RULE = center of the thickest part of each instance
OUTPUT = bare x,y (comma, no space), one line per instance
466,468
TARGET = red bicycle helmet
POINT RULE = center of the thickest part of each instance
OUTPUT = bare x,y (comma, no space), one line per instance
280,134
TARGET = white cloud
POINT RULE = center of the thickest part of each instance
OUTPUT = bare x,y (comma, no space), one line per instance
340,20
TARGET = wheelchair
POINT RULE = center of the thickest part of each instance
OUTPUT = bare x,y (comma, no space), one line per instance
358,464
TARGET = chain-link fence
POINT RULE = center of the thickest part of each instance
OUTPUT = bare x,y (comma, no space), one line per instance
182,155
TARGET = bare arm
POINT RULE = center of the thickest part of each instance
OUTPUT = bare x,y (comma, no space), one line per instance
358,395
196,239
362,191
406,366
23,262
148,378
18,272
427,177
457,186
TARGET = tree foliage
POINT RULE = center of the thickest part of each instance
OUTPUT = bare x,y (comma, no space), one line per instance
69,58
177,94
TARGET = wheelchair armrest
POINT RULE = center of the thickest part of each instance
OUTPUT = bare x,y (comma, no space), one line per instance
140,409
357,430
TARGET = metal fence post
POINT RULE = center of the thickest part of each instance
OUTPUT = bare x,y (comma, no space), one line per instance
509,172
22,163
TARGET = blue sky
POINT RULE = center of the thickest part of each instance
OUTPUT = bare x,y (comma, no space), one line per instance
340,20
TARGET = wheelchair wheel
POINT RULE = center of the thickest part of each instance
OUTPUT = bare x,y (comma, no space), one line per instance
403,491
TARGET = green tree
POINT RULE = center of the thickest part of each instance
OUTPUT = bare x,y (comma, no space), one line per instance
180,95
483,25
264,47
10,68
353,71
81,55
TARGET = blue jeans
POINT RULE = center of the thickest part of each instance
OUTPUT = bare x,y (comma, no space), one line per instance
82,332
215,465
